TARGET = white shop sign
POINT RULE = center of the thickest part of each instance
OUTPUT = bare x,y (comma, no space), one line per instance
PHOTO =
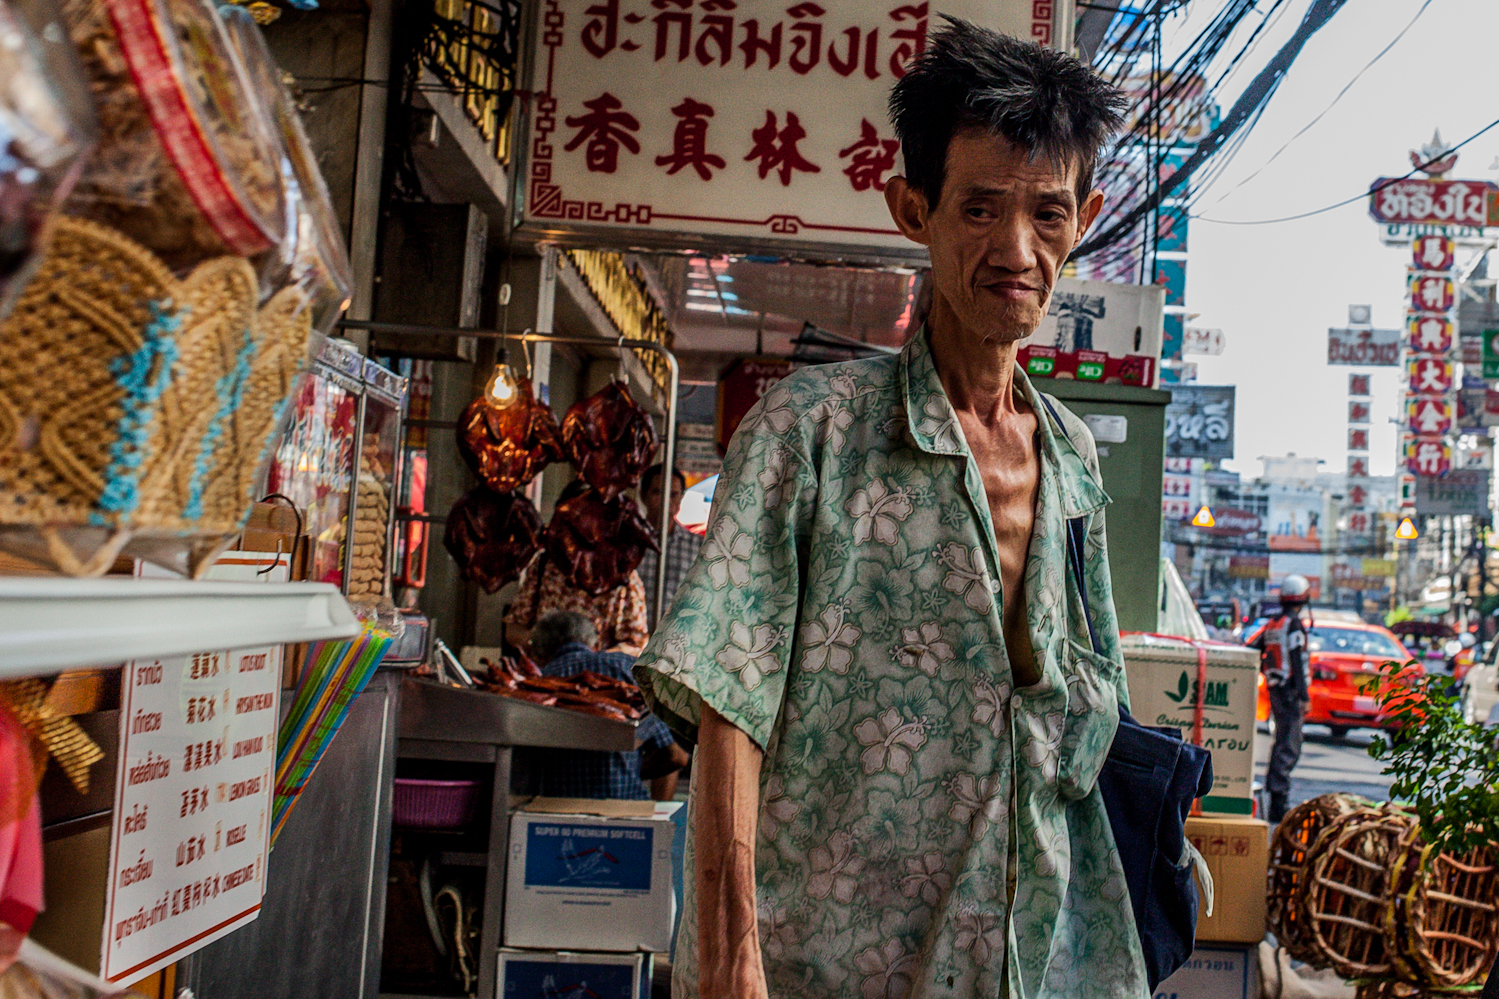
192,807
660,122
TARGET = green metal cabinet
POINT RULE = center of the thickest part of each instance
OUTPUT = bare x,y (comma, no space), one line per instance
1132,471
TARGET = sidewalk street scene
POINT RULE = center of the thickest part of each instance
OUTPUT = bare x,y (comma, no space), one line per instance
749,499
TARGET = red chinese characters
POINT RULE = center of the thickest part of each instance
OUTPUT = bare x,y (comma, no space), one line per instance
776,148
1429,376
1428,456
690,141
1428,334
604,128
1431,293
870,158
1429,416
1432,253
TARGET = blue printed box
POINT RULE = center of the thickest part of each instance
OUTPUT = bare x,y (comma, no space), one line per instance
533,974
601,881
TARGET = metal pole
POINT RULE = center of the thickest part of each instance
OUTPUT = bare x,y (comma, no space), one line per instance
668,457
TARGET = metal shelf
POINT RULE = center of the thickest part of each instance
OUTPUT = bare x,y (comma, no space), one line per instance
50,624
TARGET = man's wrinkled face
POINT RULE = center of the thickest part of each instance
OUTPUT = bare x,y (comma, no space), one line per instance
999,235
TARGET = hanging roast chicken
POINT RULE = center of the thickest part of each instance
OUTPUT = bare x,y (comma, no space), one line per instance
492,536
507,436
609,439
597,542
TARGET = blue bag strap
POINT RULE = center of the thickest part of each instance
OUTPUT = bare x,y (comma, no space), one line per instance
1076,531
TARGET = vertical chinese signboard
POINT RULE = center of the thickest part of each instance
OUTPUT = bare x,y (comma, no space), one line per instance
657,122
1431,389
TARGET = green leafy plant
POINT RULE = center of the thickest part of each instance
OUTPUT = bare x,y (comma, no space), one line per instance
1446,769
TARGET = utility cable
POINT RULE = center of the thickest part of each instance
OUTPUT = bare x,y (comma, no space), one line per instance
1255,95
1346,87
1357,197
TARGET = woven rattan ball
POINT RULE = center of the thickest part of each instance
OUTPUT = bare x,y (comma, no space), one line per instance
1443,925
1348,887
1290,847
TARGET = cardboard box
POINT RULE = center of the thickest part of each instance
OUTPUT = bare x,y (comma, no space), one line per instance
591,874
1215,973
1162,674
1237,852
541,974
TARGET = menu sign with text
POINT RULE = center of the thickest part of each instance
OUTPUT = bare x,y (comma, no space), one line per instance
192,805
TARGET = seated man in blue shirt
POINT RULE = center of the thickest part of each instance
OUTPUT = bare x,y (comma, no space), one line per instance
563,644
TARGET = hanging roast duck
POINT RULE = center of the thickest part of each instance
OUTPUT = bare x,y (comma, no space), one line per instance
506,435
597,542
609,439
492,536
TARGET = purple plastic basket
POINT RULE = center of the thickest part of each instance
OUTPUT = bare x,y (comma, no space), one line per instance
434,804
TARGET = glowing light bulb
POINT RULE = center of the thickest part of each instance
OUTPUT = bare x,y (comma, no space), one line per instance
1204,518
502,390
1407,530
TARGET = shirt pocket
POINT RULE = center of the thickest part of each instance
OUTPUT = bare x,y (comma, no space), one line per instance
1092,718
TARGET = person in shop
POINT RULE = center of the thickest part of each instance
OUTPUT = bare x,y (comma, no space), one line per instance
618,615
681,546
1285,663
881,652
564,644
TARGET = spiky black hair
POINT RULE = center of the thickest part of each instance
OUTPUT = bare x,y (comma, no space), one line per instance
1040,99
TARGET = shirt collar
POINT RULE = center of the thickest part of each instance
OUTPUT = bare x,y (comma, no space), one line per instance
934,427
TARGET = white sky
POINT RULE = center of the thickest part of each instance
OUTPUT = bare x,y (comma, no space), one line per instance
1275,289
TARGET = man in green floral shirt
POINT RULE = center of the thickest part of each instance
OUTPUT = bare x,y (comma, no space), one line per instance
880,651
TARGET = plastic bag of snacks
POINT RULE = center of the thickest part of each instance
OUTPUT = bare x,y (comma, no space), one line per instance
312,257
188,164
46,126
147,367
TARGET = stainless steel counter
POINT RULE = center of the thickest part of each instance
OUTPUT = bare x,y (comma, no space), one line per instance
433,712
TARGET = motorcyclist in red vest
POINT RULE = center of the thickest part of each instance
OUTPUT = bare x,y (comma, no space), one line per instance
1284,661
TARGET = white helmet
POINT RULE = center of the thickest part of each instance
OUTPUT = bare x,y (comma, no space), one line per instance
1294,589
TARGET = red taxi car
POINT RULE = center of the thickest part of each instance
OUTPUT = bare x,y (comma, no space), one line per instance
1346,657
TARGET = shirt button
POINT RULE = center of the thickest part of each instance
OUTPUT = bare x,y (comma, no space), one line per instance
993,586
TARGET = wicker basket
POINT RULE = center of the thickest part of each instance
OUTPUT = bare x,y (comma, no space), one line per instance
1443,924
1294,842
1347,887
434,804
135,403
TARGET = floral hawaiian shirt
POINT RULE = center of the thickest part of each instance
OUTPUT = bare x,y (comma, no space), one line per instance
845,613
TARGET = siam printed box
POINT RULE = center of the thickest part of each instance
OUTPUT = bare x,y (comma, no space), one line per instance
1162,674
591,874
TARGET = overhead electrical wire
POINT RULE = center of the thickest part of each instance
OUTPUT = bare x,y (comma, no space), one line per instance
1130,170
1246,107
1358,197
1346,87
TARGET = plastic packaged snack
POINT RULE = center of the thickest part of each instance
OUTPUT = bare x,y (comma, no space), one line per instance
313,256
188,163
46,127
135,405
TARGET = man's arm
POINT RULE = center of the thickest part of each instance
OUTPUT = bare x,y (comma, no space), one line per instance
726,783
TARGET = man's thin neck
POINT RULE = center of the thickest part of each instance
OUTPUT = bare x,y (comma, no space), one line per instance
979,380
